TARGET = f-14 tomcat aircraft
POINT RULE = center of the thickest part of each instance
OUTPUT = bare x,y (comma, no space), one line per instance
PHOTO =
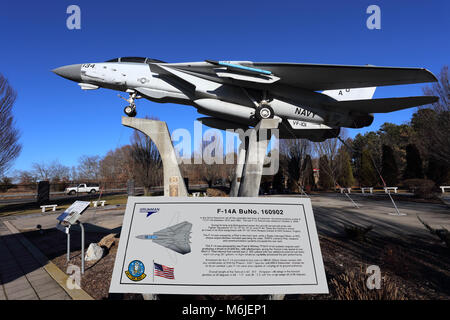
313,100
175,238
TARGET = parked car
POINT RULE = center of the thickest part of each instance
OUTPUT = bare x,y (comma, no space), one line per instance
82,188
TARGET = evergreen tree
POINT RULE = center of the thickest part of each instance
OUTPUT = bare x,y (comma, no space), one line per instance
438,171
293,168
389,169
325,180
414,167
370,140
278,181
367,175
308,174
345,178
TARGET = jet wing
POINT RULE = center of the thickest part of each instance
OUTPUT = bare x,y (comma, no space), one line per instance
314,77
175,237
326,77
182,228
383,105
181,248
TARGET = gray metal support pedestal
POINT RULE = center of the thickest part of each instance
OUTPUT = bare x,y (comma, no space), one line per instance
157,131
68,244
247,179
254,158
242,152
82,246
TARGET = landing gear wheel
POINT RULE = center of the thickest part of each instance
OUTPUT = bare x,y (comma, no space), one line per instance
264,111
130,111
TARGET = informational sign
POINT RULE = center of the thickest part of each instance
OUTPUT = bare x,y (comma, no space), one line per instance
212,245
72,213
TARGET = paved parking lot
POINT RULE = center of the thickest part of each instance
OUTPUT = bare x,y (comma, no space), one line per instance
333,210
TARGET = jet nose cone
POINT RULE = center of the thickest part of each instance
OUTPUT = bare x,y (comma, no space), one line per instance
71,72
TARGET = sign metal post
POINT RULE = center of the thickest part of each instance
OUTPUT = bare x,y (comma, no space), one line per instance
69,218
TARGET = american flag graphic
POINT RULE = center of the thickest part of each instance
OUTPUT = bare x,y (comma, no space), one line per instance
163,271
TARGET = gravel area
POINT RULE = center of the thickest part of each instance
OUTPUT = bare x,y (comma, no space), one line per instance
412,267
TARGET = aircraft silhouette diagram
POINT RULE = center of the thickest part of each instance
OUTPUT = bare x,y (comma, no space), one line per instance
175,238
311,101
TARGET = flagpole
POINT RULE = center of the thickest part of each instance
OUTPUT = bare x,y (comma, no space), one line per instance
153,261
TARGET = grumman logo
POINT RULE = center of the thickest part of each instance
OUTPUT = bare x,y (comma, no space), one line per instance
148,211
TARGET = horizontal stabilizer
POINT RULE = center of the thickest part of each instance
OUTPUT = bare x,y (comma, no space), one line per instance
384,105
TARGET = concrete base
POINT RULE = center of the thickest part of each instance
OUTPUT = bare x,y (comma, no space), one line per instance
157,131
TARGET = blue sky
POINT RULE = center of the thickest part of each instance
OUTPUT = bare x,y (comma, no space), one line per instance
58,121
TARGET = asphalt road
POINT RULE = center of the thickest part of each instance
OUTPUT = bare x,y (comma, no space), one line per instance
331,211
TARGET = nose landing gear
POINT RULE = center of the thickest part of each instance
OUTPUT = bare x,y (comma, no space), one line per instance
130,110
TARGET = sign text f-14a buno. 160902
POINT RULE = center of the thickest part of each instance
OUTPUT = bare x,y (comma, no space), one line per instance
313,100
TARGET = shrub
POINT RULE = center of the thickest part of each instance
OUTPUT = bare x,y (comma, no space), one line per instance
351,285
213,192
421,188
355,232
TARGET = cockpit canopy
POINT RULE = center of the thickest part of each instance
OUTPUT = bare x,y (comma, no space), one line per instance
136,60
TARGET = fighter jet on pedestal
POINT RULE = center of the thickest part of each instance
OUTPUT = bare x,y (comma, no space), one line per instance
175,238
237,94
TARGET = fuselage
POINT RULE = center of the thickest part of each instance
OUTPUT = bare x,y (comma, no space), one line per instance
288,102
303,110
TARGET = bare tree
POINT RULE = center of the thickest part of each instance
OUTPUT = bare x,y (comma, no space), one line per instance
328,150
24,177
213,159
89,168
148,163
441,89
230,168
435,131
53,171
41,171
295,152
9,135
117,165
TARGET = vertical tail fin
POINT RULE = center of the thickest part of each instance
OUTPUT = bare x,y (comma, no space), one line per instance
351,94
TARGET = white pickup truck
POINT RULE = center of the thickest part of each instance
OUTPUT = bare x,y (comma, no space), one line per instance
82,188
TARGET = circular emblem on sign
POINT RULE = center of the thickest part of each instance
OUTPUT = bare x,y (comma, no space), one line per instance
135,270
